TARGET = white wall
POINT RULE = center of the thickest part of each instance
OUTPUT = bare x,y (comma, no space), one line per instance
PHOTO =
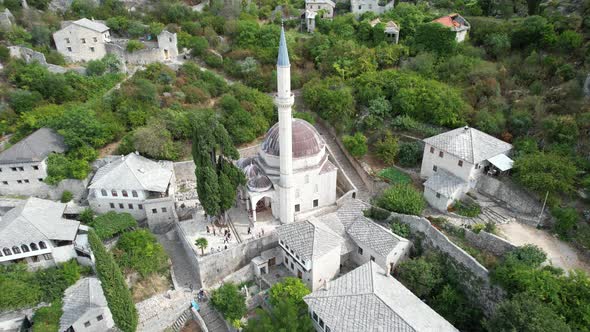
460,37
448,162
358,7
325,268
102,204
317,6
91,316
63,254
71,37
11,174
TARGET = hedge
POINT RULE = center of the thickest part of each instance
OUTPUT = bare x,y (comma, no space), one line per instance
110,224
114,286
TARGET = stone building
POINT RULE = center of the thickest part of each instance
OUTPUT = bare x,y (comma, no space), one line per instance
291,173
23,166
134,184
391,30
369,299
324,8
36,233
82,40
315,249
457,24
85,308
358,7
453,161
163,49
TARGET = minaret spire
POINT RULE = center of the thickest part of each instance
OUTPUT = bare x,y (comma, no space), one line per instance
284,101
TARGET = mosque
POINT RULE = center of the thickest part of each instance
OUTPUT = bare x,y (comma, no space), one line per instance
291,173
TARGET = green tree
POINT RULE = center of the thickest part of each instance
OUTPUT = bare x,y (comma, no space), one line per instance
140,251
355,144
420,276
567,218
527,314
437,38
331,98
134,45
66,196
387,148
202,244
155,141
400,228
402,198
114,286
24,101
111,223
546,172
228,300
410,154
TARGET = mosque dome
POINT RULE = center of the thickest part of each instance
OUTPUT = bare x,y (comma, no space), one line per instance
306,140
244,162
251,171
259,183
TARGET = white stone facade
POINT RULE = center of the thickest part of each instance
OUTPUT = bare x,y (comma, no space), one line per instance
359,7
80,41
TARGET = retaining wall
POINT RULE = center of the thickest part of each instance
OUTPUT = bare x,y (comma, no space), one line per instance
489,242
510,194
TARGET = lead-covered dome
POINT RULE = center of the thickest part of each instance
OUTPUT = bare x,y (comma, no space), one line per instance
259,183
306,140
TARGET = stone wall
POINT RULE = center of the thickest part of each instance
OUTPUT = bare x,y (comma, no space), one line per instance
474,276
190,253
29,55
212,268
489,242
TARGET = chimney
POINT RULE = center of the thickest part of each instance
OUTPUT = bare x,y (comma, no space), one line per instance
326,284
466,128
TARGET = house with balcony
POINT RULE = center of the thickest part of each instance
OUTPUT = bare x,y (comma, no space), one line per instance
369,299
137,185
35,232
453,162
314,250
23,166
82,40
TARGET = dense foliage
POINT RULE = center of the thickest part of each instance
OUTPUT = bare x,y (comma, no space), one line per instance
228,300
114,286
46,319
112,223
402,198
140,251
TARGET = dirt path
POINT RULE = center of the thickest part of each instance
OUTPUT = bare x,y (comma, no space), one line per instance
559,253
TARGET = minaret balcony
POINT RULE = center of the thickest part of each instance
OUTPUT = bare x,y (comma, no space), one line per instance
284,101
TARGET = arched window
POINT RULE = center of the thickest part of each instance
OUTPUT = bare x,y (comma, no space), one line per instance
134,193
114,193
33,246
6,252
103,192
124,192
25,248
42,245
15,250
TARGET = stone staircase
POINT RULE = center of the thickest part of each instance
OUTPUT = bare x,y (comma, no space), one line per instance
211,317
489,215
179,324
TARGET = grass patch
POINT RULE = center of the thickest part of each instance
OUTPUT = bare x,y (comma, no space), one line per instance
110,224
470,210
149,286
393,175
46,319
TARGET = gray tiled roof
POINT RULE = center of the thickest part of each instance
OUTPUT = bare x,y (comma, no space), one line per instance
365,232
84,295
309,238
367,299
444,183
133,172
36,220
469,144
91,24
34,147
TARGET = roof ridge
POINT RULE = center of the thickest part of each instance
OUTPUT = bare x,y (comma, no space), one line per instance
132,170
337,295
395,312
472,145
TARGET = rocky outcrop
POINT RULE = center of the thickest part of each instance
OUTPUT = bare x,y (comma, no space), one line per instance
6,20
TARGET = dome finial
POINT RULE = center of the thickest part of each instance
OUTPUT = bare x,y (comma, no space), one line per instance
283,59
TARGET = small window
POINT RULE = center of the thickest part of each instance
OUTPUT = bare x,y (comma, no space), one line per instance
35,259
460,163
170,39
292,266
114,193
314,316
103,192
22,169
321,323
434,168
372,259
95,40
16,250
140,206
286,260
133,193
437,195
315,203
121,206
13,169
33,246
6,252
360,7
297,207
164,210
441,154
112,205
83,40
40,179
19,181
47,257
154,210
0,170
67,40
87,324
25,248
36,167
130,206
360,251
69,49
42,245
124,193
91,49
5,182
328,329
431,149
26,181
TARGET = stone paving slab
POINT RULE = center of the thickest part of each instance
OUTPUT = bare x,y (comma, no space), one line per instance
162,310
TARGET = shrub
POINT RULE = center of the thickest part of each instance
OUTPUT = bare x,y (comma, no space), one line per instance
402,198
387,149
400,228
140,251
134,45
213,60
436,37
392,175
307,116
47,319
87,216
228,300
114,286
470,210
566,219
376,213
111,223
420,275
356,144
410,154
66,196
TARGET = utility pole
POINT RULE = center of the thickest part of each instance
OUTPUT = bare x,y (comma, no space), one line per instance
543,208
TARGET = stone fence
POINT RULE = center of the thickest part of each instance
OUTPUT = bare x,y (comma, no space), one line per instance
29,56
474,276
489,242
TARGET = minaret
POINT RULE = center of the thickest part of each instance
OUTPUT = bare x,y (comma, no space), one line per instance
284,101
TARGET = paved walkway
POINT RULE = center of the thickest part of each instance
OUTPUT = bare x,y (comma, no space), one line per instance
184,274
162,310
212,318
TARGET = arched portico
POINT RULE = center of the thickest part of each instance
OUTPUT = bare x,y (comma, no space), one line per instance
261,200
